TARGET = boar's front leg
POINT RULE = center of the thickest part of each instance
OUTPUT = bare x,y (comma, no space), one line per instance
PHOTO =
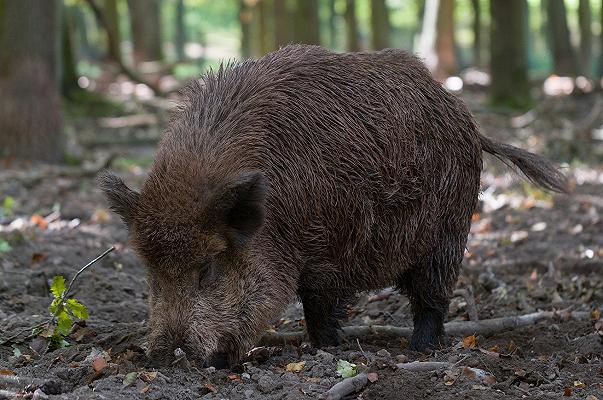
322,313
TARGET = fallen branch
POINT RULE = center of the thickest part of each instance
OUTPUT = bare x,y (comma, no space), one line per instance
346,387
8,395
418,366
455,328
467,294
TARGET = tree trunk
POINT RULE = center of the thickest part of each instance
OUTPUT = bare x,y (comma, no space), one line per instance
265,42
112,19
477,33
508,62
379,24
30,115
281,34
146,30
586,37
444,44
332,25
308,22
245,18
69,75
180,39
563,55
351,26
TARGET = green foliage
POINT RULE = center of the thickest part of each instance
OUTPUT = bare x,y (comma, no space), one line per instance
64,310
346,369
4,246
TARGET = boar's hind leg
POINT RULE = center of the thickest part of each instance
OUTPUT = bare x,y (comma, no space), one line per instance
428,287
322,314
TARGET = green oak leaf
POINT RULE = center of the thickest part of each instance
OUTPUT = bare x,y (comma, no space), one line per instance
57,287
77,309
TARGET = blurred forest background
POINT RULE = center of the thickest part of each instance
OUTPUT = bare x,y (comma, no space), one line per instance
60,57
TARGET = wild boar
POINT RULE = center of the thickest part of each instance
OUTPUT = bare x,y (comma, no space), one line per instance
313,175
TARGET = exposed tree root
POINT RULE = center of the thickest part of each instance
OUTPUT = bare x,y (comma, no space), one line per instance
455,328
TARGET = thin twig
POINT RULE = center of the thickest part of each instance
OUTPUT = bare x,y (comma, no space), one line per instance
66,292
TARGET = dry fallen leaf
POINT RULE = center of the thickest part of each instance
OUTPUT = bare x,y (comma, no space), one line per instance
372,377
521,373
148,376
6,372
595,314
489,380
235,378
99,363
38,220
579,384
210,387
469,342
295,367
567,392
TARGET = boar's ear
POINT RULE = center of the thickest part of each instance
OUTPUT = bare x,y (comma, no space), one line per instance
121,198
239,207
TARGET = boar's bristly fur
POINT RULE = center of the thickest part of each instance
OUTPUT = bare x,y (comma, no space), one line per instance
313,175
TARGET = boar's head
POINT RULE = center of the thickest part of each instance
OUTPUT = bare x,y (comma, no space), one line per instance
194,236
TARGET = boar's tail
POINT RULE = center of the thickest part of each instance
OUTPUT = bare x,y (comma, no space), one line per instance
537,169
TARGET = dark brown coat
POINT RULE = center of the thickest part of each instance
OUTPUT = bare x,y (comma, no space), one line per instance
312,174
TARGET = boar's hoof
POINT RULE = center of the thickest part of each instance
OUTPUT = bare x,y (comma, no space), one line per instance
218,361
428,343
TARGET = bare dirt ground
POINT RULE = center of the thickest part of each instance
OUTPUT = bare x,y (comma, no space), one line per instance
528,251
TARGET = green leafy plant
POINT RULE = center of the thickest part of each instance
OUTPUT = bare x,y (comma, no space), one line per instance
64,310
7,206
346,369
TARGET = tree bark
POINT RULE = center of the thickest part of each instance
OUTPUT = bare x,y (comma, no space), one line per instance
146,30
559,39
380,27
180,37
351,26
245,18
477,33
69,75
332,25
308,22
112,20
30,115
586,37
508,58
444,44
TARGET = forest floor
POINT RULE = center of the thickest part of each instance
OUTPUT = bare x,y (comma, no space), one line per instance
528,251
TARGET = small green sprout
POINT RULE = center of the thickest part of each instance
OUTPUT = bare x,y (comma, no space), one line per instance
65,309
7,206
346,369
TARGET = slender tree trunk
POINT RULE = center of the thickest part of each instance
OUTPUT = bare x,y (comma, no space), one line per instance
245,18
112,18
180,39
308,22
351,26
146,30
266,40
477,33
69,75
380,27
332,25
563,54
444,44
508,63
281,34
586,37
30,115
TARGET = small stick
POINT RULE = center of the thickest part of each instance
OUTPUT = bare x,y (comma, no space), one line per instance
346,387
66,292
470,299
